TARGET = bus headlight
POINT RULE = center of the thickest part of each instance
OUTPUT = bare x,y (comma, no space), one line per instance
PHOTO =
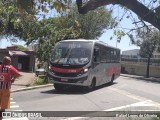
85,70
49,68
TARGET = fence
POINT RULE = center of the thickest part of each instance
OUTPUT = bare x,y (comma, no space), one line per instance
153,61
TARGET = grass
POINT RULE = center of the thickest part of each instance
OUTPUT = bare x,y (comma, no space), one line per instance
41,80
156,118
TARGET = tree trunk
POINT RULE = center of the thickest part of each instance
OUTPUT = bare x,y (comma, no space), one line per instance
147,71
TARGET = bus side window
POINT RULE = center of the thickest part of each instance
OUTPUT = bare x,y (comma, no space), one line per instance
96,54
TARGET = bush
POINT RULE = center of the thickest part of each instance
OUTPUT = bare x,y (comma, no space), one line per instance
156,118
41,80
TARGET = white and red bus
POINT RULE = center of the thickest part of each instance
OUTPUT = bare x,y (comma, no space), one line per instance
87,63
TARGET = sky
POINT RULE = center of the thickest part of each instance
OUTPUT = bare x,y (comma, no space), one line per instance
124,44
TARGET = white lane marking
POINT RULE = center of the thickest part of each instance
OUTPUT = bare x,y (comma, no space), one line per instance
133,96
143,102
16,110
75,118
21,118
14,106
12,102
138,104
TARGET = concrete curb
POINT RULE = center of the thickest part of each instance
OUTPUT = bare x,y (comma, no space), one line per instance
30,88
151,79
128,75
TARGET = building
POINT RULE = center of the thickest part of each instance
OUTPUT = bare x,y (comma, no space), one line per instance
22,60
132,63
130,53
135,54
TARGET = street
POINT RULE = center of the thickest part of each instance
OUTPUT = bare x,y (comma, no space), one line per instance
126,94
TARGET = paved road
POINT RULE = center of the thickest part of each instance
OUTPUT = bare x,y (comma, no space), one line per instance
125,94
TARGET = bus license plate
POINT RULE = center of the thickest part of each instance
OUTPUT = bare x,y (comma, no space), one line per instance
64,79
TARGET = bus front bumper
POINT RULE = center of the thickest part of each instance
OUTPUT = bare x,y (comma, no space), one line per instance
78,81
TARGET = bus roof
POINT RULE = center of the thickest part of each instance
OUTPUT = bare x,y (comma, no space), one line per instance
94,41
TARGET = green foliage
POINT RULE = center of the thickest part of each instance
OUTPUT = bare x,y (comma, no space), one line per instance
58,5
41,80
12,21
21,48
156,118
68,26
26,6
93,24
148,42
119,34
17,19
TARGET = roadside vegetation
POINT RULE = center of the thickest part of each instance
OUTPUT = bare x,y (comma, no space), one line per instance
156,118
149,42
40,80
46,22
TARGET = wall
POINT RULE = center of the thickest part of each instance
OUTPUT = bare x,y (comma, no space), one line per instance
32,60
140,69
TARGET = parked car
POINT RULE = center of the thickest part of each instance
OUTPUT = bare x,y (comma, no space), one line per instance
40,71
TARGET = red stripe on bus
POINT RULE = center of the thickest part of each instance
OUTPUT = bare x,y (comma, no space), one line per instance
112,71
64,70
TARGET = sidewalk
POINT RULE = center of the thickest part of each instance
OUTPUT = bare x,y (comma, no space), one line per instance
22,82
150,79
26,79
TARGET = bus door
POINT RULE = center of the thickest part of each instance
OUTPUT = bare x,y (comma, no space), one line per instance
96,64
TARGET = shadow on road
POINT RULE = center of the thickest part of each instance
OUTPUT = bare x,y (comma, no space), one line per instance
76,90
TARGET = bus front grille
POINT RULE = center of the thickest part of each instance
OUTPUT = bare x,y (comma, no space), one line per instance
66,74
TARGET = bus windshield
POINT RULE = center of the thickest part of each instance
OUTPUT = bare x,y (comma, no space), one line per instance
71,53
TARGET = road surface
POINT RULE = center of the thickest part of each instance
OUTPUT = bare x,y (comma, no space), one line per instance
126,94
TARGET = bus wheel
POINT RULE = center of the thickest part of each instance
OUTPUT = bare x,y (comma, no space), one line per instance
58,87
112,79
92,85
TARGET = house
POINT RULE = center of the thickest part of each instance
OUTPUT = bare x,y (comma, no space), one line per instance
22,60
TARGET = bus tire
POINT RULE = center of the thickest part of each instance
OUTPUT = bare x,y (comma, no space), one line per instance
112,79
58,87
92,85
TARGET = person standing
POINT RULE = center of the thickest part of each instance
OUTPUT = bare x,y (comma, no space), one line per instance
7,76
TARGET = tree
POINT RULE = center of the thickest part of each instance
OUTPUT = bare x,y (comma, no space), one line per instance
143,12
19,16
69,26
149,42
12,21
92,24
147,12
26,10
